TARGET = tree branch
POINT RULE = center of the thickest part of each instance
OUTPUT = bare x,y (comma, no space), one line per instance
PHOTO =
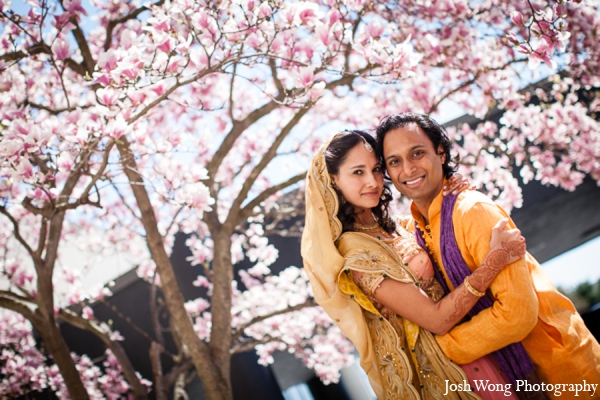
470,82
115,347
156,364
42,237
178,369
240,331
236,130
53,111
276,80
16,304
98,175
232,217
17,233
231,85
248,209
113,24
250,344
88,62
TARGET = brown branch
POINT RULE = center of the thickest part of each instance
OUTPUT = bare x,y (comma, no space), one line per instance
231,85
134,325
28,298
276,80
248,209
98,175
42,237
166,94
37,48
250,344
159,385
17,233
53,111
178,369
470,82
240,331
174,219
232,217
45,211
34,49
236,130
15,304
115,347
88,64
154,313
113,24
114,185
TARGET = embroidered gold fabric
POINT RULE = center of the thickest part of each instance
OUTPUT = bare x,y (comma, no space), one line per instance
401,360
405,246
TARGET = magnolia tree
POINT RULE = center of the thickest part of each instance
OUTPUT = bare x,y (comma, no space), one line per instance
123,123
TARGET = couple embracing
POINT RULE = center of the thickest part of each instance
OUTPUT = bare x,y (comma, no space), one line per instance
442,300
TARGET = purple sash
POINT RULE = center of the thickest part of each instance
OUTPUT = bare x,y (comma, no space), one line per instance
512,359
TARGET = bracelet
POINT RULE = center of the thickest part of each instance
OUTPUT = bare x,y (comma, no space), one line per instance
472,290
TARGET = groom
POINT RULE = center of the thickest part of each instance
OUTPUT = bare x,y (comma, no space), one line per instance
522,319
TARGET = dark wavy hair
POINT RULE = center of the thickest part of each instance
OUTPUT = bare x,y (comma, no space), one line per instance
436,133
335,155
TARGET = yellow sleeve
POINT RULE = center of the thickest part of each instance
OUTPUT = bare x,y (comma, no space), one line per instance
515,310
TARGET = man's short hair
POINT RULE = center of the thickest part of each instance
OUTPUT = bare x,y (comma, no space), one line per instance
434,131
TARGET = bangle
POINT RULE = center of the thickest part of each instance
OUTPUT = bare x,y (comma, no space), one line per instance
472,290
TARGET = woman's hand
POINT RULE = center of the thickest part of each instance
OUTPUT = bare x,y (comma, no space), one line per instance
456,184
506,245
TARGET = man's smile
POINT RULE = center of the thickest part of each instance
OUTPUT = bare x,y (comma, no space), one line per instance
414,181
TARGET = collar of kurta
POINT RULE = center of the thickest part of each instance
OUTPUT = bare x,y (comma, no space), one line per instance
435,209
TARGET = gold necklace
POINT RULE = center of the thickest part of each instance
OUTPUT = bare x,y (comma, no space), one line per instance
368,229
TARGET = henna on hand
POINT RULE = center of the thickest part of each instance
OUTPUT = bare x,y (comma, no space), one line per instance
495,261
461,302
516,248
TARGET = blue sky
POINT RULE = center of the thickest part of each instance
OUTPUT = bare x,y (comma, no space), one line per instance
575,266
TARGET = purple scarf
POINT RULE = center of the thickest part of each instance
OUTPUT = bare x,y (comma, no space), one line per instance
512,359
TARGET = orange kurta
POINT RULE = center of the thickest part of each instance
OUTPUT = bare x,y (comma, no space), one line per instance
527,307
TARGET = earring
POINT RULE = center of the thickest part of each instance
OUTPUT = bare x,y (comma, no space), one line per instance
332,185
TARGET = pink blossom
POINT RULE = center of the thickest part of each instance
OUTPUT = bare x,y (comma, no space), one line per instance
166,46
375,28
516,17
159,88
108,60
65,161
108,96
253,40
201,281
305,77
87,313
117,127
60,49
160,23
197,196
264,10
74,7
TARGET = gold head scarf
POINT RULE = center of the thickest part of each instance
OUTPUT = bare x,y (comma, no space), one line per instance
323,262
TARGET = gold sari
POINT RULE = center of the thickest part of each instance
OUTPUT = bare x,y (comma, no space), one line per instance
401,360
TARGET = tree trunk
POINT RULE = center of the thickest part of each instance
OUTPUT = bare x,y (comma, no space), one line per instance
199,353
61,355
49,330
220,305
